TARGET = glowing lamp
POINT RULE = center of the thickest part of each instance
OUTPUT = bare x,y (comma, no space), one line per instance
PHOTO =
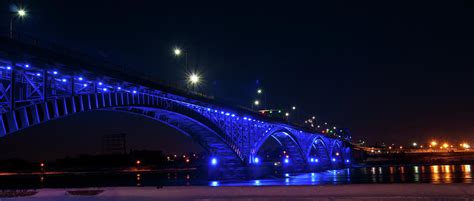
214,161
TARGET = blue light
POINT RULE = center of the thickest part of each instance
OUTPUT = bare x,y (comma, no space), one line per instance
232,115
245,118
227,114
287,160
27,66
312,174
222,112
256,160
38,74
214,161
316,160
55,72
287,180
333,160
214,183
9,67
105,89
100,83
257,182
80,78
208,109
312,160
287,175
215,111
134,91
64,80
347,161
85,85
249,119
119,88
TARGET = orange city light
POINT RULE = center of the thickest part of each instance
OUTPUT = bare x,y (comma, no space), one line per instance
433,143
138,162
445,145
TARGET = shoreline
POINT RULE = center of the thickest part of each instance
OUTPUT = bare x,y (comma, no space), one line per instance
323,192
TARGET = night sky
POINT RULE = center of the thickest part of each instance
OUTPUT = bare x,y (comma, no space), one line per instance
390,71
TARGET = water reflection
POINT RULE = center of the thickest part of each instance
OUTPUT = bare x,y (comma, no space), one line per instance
435,174
392,174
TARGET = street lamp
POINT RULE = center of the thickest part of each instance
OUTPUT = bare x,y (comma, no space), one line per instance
20,13
256,102
194,79
259,91
177,52
293,108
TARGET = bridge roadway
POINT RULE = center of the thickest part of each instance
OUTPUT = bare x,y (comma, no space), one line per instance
40,83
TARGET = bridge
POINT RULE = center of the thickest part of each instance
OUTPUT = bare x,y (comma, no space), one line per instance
41,83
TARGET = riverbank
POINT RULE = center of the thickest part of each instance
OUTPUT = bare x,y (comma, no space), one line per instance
403,192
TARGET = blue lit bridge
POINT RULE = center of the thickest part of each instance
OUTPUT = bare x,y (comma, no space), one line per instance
44,83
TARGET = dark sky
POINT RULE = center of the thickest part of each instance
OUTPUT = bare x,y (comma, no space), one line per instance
391,71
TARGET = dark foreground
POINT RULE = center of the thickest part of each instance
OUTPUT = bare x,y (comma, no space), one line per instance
403,192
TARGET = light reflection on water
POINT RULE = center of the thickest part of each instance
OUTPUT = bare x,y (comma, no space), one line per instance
436,174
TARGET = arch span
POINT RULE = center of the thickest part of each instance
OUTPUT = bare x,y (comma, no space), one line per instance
173,113
288,142
318,151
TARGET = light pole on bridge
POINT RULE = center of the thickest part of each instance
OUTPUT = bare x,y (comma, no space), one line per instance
20,13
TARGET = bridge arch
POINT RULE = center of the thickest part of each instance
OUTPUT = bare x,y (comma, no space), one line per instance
180,116
337,151
287,141
318,151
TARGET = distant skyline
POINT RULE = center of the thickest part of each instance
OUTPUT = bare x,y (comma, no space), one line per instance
393,72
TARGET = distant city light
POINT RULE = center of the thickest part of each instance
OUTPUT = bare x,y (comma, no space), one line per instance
259,91
287,160
119,88
138,162
100,83
333,160
445,145
105,89
27,65
38,74
64,80
55,72
415,144
293,108
85,85
80,78
9,67
347,161
134,91
434,143
287,114
256,160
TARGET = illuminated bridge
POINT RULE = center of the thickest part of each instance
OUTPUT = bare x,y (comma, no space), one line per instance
41,83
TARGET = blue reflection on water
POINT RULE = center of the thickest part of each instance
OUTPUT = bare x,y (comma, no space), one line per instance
384,174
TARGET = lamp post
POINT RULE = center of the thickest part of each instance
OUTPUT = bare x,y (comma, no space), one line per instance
20,13
260,92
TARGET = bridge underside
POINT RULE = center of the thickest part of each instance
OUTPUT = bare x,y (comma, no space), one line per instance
201,134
